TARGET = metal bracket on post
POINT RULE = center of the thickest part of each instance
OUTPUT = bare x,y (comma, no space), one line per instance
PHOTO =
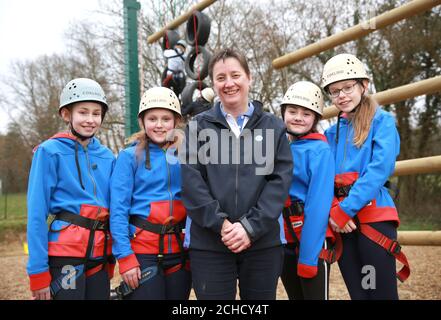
132,86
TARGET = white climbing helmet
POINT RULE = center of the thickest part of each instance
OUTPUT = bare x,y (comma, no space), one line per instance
160,97
342,67
208,94
181,43
82,89
305,94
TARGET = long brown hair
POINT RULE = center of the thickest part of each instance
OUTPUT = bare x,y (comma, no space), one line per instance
362,119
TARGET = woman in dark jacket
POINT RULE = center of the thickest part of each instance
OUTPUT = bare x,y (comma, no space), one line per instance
236,175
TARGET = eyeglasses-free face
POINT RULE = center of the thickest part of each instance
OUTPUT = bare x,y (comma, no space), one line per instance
232,84
299,120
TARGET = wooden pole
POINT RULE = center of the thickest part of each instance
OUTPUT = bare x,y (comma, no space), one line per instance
180,20
360,30
397,94
418,166
419,238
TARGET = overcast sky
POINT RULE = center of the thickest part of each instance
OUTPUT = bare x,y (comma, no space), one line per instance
29,28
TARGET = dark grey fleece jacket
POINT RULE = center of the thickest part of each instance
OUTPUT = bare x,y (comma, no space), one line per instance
243,179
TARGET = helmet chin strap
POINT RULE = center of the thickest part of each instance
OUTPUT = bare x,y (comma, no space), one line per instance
297,136
79,135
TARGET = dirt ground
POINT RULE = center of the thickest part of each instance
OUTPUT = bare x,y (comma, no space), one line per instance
424,282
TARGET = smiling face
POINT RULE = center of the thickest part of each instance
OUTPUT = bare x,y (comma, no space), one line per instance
232,84
299,120
85,117
157,123
346,102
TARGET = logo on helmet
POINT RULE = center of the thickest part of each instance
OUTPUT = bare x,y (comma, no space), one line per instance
91,93
300,98
334,73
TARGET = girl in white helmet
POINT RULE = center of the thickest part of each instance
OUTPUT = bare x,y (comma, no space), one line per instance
307,259
147,215
69,179
365,143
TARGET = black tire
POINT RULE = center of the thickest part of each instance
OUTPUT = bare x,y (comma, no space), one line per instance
203,26
177,85
190,70
187,93
169,40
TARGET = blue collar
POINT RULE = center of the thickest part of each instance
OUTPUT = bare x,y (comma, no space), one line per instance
248,113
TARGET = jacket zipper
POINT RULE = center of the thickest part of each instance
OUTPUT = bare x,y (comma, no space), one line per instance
171,201
86,152
237,185
237,171
344,150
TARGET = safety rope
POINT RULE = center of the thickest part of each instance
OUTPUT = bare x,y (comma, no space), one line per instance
164,10
197,54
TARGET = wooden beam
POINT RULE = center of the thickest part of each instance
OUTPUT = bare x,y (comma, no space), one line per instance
360,30
418,166
419,238
180,20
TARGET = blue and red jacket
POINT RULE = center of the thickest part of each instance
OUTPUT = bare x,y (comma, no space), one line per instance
152,194
367,168
312,185
54,186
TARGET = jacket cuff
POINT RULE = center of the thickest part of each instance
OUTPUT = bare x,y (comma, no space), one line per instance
127,263
218,226
40,280
339,216
248,228
306,271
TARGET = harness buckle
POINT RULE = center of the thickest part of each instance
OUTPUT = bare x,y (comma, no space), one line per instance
295,209
299,207
99,225
95,225
343,191
394,247
332,256
170,228
167,228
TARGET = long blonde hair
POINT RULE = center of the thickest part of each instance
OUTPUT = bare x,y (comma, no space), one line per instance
362,119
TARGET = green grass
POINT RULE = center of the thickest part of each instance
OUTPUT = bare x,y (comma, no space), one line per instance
13,206
12,213
411,224
13,217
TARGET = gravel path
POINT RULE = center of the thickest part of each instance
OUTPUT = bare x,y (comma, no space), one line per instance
423,284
